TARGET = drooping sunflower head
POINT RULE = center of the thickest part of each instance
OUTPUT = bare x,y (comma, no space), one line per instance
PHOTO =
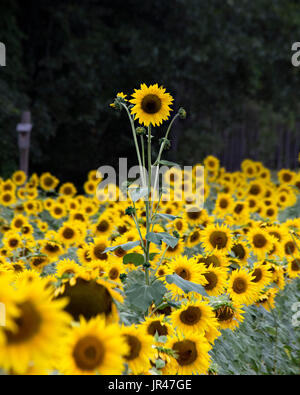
151,104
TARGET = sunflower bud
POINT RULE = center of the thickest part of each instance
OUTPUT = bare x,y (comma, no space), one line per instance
176,234
140,131
130,211
167,143
182,113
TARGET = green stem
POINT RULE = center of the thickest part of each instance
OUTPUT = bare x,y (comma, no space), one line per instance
148,218
136,143
159,156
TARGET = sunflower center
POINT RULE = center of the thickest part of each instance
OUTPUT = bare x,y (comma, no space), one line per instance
135,347
289,247
179,225
7,197
68,233
89,353
18,223
120,252
194,215
295,266
239,285
98,251
87,298
186,351
259,240
48,181
103,226
28,324
191,315
52,248
224,313
257,274
113,274
238,208
183,273
254,190
223,203
195,236
287,177
151,104
218,239
156,326
67,191
239,251
212,280
79,217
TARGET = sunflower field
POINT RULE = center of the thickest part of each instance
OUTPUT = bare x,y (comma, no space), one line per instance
137,286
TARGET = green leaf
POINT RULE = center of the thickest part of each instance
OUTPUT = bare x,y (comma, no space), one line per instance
168,217
168,163
142,295
186,286
133,258
158,237
137,193
125,247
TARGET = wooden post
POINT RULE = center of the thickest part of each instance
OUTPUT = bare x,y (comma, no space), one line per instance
24,131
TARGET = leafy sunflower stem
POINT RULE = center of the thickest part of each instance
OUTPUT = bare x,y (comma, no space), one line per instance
148,216
135,219
136,143
160,262
276,338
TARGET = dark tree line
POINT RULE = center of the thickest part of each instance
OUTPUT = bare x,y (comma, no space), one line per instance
228,62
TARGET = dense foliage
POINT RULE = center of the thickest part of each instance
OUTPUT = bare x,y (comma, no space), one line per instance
228,61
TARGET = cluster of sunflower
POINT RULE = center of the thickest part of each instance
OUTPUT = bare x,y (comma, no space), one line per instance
65,265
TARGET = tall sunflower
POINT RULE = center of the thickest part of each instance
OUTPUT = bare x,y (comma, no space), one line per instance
241,288
151,104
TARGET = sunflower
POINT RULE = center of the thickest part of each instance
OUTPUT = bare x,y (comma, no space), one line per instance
69,233
12,241
40,323
261,241
192,354
19,221
193,238
261,275
83,254
48,182
224,205
140,349
58,211
97,248
52,249
229,315
188,269
38,262
293,267
157,326
241,252
7,198
216,237
67,189
216,260
172,252
267,299
286,176
67,266
114,269
19,177
90,187
93,347
193,317
241,288
216,278
151,104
